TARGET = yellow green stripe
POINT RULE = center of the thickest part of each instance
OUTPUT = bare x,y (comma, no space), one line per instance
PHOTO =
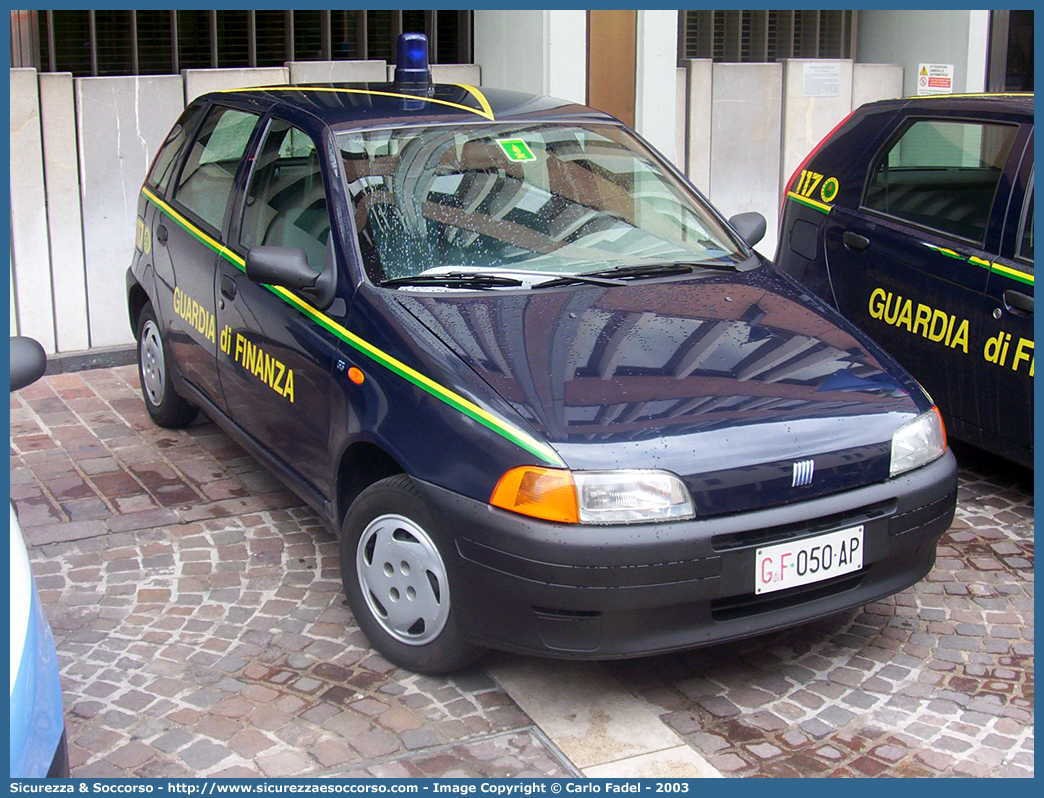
479,97
811,203
507,430
1014,274
949,253
485,111
974,260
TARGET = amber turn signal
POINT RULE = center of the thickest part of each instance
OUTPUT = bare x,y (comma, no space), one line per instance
547,493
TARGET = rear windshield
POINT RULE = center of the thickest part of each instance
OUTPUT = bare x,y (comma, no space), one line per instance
536,198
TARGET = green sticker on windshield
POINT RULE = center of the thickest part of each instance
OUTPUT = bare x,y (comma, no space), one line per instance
516,150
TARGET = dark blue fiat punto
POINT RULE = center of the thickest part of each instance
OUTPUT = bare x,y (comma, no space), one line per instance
548,398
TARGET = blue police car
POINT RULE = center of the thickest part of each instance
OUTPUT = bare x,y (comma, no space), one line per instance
914,218
547,397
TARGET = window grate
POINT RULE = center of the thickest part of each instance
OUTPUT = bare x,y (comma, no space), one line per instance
165,42
765,36
345,32
193,39
270,35
233,47
380,35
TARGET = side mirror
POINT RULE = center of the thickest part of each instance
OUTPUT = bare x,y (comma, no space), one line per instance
28,362
751,226
285,266
288,267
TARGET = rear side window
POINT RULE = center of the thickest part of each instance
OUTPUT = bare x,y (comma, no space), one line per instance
942,175
163,165
206,180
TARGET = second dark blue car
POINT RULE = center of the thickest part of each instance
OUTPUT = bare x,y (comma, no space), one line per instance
548,398
914,218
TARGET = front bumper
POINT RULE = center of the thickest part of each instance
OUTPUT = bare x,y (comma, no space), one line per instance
526,585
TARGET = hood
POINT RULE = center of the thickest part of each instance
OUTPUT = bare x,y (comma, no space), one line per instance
726,380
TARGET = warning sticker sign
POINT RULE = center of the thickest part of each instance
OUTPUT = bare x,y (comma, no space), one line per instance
935,79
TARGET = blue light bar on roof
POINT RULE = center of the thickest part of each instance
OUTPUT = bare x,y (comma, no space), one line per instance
411,65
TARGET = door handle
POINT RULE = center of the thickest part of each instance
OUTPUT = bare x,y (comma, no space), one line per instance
1018,303
161,234
856,242
228,287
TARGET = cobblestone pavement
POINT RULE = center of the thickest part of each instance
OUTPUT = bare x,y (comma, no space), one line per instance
202,630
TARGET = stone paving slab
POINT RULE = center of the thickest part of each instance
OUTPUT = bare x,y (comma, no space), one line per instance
202,630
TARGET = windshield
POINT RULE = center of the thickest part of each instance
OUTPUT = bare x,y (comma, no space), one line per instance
534,200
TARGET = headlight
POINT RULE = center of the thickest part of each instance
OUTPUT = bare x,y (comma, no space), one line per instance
918,442
593,497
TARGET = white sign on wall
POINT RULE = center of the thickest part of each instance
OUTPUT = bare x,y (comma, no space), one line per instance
935,79
821,80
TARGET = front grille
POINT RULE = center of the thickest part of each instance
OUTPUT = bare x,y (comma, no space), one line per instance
777,534
733,607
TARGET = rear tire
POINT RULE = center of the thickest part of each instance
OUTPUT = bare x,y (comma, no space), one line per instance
166,407
397,582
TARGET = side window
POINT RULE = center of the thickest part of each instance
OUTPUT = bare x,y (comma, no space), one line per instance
285,199
206,180
163,164
942,175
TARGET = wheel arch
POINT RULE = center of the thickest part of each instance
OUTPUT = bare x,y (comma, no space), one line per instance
362,464
137,298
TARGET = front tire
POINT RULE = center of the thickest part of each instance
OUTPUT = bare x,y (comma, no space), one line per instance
165,406
397,582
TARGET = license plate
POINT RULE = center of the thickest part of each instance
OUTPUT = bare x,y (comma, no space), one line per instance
802,562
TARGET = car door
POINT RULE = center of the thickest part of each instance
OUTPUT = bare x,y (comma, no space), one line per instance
1007,352
276,362
186,239
911,264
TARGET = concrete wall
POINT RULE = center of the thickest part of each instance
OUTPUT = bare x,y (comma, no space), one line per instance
567,54
696,123
200,81
871,82
746,129
655,101
64,220
33,310
303,73
535,51
121,121
909,38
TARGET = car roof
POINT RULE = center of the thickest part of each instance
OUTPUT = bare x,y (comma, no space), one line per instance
346,105
1004,102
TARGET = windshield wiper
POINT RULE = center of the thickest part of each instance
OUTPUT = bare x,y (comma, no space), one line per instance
666,269
569,279
455,280
618,275
641,272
